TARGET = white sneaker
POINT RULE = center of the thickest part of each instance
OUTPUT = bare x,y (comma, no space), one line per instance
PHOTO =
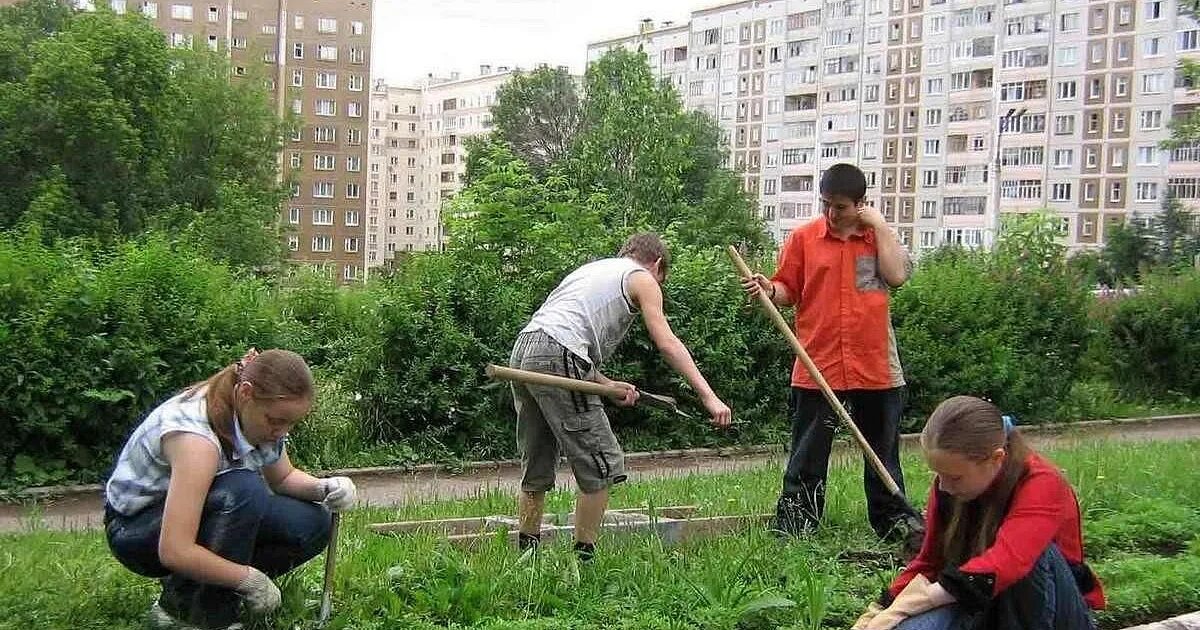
159,619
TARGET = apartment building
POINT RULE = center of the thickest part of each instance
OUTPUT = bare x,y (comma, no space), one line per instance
396,217
418,152
315,58
958,111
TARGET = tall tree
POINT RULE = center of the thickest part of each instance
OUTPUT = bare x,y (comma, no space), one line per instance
23,24
108,132
1175,233
659,165
1127,250
530,227
537,114
634,145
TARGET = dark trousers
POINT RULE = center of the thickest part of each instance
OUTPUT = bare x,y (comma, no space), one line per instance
1047,599
242,522
877,414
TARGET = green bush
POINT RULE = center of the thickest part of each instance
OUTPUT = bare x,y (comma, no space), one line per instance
747,362
419,362
1151,339
1009,326
91,342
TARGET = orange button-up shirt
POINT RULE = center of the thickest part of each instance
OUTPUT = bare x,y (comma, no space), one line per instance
842,315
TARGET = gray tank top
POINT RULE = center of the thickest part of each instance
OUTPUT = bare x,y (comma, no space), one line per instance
590,311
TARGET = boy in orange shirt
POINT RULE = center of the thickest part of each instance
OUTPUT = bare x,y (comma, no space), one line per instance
837,270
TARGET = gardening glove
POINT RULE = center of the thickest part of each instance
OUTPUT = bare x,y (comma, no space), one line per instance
258,592
915,599
339,493
872,610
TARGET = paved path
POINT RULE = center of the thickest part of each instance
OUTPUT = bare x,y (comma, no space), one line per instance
83,508
1183,622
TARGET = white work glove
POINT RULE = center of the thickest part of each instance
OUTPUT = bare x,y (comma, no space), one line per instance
919,596
258,592
340,493
872,611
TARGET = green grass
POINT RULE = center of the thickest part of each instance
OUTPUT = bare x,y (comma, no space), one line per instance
1140,512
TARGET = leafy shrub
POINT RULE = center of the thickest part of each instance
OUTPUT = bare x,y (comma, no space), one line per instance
1009,326
1152,338
91,342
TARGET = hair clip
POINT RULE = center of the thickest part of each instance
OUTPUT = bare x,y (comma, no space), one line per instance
246,359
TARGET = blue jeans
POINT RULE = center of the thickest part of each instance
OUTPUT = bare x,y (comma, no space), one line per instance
242,522
1047,599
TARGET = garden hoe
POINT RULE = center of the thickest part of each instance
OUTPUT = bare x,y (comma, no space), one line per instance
499,373
916,526
330,564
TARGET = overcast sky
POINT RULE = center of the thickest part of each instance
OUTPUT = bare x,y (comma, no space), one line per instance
416,37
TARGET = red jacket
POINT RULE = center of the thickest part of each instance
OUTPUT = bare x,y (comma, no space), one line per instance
1043,510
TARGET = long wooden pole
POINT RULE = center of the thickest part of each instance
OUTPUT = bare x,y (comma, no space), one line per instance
330,565
798,349
537,378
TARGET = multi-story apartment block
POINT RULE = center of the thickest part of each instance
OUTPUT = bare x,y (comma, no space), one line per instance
418,142
315,58
958,111
396,215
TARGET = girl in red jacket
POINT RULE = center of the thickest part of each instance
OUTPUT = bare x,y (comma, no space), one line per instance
1003,549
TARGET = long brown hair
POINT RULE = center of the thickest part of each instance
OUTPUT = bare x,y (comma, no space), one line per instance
275,374
974,428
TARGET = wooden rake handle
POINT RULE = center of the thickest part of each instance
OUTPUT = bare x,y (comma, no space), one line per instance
330,565
537,378
798,349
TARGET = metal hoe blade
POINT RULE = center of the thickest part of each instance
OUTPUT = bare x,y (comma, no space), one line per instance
662,402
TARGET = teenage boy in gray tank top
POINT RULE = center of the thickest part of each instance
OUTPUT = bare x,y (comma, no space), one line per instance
575,330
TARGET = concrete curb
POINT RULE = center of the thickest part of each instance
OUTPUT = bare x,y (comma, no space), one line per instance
1182,622
46,492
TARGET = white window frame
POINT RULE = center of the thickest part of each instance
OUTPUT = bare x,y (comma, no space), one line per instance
1143,116
323,190
326,52
322,216
322,243
182,12
1140,187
